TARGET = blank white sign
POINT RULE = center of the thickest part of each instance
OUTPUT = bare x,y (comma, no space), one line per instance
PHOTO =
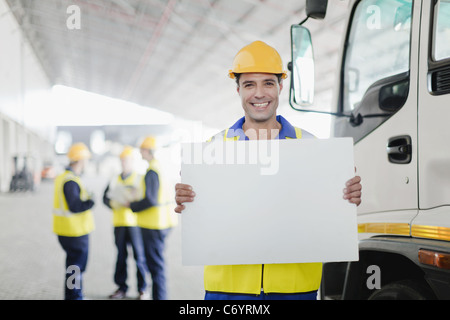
284,205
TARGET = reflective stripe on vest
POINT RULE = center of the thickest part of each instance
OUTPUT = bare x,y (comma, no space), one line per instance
66,223
123,216
161,216
272,278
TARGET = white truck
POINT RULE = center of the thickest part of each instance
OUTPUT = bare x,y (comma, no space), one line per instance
393,97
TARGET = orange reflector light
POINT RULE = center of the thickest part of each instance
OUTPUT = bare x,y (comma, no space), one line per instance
436,259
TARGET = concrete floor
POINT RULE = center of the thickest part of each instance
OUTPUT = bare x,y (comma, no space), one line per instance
32,261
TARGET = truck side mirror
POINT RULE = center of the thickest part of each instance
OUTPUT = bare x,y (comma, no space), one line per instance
393,96
302,66
316,9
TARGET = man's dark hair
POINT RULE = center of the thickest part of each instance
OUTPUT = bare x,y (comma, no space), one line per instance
238,76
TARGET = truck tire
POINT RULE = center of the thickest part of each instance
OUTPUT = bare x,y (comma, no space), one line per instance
402,290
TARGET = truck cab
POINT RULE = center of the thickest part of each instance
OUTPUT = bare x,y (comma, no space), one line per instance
392,96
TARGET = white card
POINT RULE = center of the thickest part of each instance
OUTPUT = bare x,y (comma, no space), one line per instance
276,201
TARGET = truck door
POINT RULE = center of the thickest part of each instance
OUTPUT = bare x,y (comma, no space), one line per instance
379,92
434,123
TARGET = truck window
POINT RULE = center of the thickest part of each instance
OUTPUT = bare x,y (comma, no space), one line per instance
441,45
378,47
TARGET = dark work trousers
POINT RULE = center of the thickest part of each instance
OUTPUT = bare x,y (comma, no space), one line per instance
76,249
154,241
123,237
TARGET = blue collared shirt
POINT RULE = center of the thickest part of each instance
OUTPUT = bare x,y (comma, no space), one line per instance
287,130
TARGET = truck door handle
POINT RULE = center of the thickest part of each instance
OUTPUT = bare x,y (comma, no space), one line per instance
399,149
402,149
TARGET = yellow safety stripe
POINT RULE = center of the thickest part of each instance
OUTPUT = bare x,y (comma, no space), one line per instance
404,229
431,232
385,228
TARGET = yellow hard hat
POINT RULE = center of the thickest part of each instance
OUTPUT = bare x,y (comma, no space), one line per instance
78,151
126,152
148,143
257,57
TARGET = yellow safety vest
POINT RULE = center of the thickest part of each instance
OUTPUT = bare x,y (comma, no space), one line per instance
66,223
271,278
161,216
122,216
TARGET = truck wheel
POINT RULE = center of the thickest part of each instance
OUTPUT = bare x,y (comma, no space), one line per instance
402,290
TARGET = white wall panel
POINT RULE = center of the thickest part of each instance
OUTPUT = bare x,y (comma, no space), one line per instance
23,88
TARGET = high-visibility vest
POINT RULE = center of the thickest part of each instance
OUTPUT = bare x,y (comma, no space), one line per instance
161,216
271,278
66,223
123,216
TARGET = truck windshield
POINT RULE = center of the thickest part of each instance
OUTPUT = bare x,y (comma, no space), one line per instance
377,47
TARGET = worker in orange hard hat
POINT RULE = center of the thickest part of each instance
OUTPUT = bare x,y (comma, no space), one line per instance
72,219
258,71
123,189
154,217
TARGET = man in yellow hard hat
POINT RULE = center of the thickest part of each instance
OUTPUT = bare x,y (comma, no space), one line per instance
118,194
258,71
155,218
72,219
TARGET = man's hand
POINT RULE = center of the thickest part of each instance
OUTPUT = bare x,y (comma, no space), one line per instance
183,193
352,191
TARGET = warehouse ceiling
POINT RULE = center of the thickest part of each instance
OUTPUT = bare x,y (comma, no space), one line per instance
172,55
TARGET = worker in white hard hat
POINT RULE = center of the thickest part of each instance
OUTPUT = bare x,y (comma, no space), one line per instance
258,72
155,218
73,220
123,189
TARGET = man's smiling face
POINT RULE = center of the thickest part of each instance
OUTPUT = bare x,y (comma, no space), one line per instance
259,94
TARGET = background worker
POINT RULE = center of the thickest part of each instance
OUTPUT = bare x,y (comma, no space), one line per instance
259,75
154,218
73,220
119,192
